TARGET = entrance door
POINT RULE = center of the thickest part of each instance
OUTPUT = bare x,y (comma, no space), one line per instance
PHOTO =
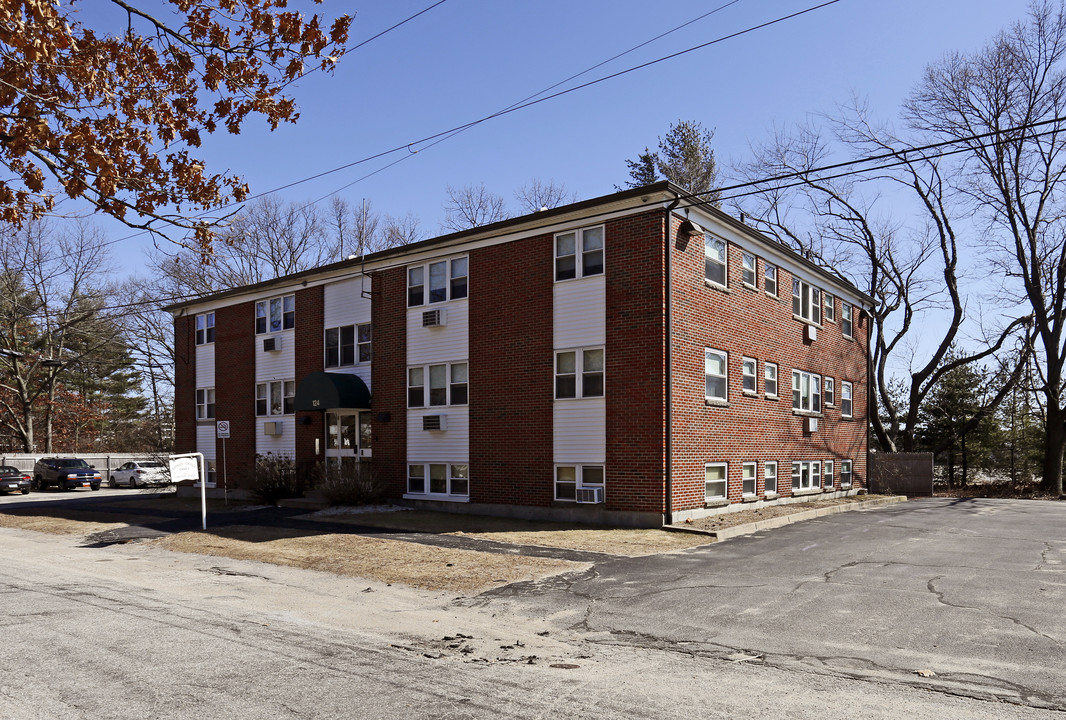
347,436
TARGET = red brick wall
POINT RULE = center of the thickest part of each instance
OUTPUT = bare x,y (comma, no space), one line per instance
235,390
745,322
389,372
309,359
184,384
635,364
511,374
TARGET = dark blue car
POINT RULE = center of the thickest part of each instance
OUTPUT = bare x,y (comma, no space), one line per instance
65,474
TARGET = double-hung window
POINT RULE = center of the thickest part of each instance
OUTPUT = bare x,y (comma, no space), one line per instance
748,477
205,403
275,398
845,473
845,399
805,475
770,379
829,394
447,385
769,475
827,468
716,368
568,478
342,348
806,301
716,480
748,270
770,279
830,308
846,324
579,373
579,253
806,391
443,479
437,282
205,328
749,369
275,314
715,260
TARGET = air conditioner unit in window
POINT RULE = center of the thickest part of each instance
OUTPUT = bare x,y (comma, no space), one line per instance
812,425
810,333
272,428
272,344
590,495
434,422
433,318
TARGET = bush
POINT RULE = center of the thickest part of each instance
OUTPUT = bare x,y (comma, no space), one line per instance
276,479
350,484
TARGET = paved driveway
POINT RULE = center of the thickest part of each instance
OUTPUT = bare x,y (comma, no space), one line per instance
969,593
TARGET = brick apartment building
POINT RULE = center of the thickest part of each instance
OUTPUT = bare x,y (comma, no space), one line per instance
546,366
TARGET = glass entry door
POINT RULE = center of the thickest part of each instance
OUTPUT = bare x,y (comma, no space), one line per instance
347,436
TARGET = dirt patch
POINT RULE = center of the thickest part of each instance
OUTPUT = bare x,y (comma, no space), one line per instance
571,536
387,561
743,517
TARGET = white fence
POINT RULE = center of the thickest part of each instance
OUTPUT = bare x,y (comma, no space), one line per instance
104,462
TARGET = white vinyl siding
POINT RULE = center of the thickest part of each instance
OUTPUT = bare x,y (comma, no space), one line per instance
438,344
579,312
579,431
347,302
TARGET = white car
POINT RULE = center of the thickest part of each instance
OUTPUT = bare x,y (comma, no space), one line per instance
145,472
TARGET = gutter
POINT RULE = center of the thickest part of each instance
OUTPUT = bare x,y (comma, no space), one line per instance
668,516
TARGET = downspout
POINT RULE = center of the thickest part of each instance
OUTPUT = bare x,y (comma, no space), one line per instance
668,516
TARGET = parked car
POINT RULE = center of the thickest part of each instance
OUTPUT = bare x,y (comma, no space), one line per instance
65,474
14,480
144,472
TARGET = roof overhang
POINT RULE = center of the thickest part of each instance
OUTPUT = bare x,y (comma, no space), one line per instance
322,391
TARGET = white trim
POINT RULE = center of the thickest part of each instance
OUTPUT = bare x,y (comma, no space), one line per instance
724,481
754,478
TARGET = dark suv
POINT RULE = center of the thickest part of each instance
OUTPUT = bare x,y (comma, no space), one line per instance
65,474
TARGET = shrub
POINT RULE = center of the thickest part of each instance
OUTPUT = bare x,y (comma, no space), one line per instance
350,484
276,478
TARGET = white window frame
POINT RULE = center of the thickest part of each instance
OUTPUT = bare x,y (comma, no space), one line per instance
456,475
770,279
451,387
583,253
724,481
846,399
845,472
456,282
829,307
769,369
211,471
829,395
809,384
205,403
581,480
264,392
770,476
749,473
827,474
205,328
806,471
264,311
724,376
749,268
585,380
752,377
847,320
806,298
361,350
710,259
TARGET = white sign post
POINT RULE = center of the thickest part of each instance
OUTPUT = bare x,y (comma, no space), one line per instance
190,466
222,431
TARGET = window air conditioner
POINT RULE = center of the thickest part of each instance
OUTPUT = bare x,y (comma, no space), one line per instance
272,428
812,425
271,344
434,422
590,495
433,318
811,333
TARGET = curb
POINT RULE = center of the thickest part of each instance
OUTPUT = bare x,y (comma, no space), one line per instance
770,523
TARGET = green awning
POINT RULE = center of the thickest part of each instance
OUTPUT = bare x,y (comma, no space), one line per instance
325,391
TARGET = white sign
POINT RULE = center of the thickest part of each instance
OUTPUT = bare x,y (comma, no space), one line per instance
222,427
184,468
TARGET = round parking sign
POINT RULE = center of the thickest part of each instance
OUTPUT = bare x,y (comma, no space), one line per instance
222,427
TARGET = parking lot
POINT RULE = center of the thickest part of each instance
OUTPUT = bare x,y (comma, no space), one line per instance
81,495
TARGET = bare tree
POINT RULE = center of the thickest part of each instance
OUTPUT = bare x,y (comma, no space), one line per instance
538,195
397,231
472,206
1004,106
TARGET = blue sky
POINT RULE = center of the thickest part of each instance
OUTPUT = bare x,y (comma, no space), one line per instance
465,59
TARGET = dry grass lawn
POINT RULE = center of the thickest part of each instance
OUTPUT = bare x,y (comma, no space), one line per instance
742,517
58,525
387,561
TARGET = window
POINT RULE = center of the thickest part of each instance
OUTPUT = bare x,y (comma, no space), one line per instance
717,479
845,473
830,308
568,478
447,385
829,395
341,346
806,301
364,337
770,279
588,243
205,328
770,379
827,468
845,399
846,327
748,472
212,471
749,269
805,475
447,281
749,371
716,364
586,364
444,479
275,314
205,403
715,251
806,391
275,398
769,474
